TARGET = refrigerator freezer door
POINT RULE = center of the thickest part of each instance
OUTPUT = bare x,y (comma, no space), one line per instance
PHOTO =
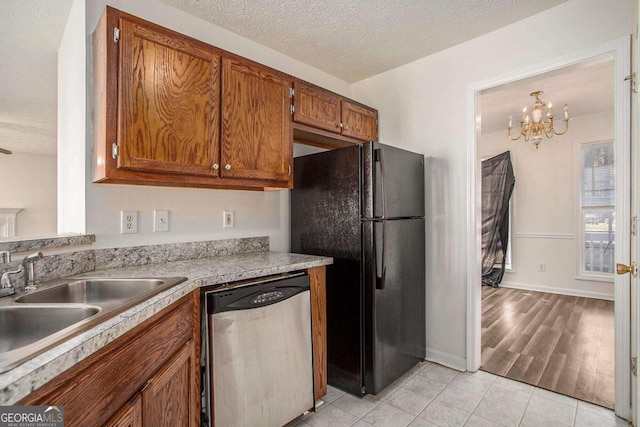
396,179
395,315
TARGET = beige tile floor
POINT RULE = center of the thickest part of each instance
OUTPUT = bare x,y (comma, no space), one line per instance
432,395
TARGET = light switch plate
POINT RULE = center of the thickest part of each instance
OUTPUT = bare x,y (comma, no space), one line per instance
128,222
160,221
227,219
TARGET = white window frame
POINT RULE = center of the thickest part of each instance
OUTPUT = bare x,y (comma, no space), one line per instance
508,261
582,274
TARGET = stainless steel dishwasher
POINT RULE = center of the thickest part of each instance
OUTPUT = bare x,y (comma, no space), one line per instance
258,336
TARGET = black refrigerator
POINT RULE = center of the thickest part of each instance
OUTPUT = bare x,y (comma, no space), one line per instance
364,206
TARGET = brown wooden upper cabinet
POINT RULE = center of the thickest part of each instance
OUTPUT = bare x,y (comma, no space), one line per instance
161,118
320,108
256,130
168,96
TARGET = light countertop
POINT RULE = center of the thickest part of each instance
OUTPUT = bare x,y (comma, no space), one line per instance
23,379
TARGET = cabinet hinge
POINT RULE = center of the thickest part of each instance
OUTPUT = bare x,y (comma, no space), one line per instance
632,79
292,109
634,226
116,34
292,92
114,151
634,366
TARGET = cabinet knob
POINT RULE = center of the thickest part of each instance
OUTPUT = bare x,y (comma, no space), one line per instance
228,167
346,127
215,166
340,125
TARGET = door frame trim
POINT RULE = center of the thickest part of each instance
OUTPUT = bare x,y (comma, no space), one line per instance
620,48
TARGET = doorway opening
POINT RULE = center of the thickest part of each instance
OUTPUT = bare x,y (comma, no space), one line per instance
538,252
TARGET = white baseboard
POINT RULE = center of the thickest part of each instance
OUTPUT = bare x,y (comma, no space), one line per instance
446,359
561,291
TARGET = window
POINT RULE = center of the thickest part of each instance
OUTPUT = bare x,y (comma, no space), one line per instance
507,259
597,210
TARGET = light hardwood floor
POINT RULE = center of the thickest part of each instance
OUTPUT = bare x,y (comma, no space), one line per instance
557,342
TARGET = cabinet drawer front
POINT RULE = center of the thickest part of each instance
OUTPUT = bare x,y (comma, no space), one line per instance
255,122
316,107
359,122
94,390
169,102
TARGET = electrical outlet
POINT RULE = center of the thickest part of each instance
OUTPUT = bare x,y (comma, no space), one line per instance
160,221
128,222
541,267
227,219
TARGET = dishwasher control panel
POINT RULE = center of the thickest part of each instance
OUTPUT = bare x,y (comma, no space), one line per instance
256,294
267,297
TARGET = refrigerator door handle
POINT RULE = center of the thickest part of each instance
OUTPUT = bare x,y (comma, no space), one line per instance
380,275
382,272
377,155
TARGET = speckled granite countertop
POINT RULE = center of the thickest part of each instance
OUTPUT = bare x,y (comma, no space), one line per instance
22,380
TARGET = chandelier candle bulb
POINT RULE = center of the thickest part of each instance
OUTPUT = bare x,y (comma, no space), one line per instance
510,121
566,112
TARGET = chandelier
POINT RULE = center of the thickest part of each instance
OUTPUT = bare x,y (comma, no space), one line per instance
534,128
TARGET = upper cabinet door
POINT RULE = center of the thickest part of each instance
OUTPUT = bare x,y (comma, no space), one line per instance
316,107
359,122
256,129
168,100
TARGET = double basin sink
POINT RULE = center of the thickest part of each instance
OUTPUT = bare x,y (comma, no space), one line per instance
34,322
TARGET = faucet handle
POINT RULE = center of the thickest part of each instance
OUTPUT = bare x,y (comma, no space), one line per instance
6,287
5,257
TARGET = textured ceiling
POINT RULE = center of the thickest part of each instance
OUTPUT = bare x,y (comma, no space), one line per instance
356,39
350,39
587,88
31,33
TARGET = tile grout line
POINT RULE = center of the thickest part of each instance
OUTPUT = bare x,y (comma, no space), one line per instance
483,396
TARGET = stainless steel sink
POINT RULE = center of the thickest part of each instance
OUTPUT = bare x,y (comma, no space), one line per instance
34,322
21,325
93,291
30,329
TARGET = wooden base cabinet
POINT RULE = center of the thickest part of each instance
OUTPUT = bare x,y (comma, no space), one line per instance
168,398
150,376
318,278
129,416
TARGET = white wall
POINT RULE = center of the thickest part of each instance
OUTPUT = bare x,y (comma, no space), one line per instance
545,227
36,195
422,107
71,123
195,214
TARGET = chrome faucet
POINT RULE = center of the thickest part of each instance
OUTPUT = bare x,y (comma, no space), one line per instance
5,257
29,274
6,287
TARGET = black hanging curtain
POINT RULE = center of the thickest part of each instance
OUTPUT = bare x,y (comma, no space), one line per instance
497,185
